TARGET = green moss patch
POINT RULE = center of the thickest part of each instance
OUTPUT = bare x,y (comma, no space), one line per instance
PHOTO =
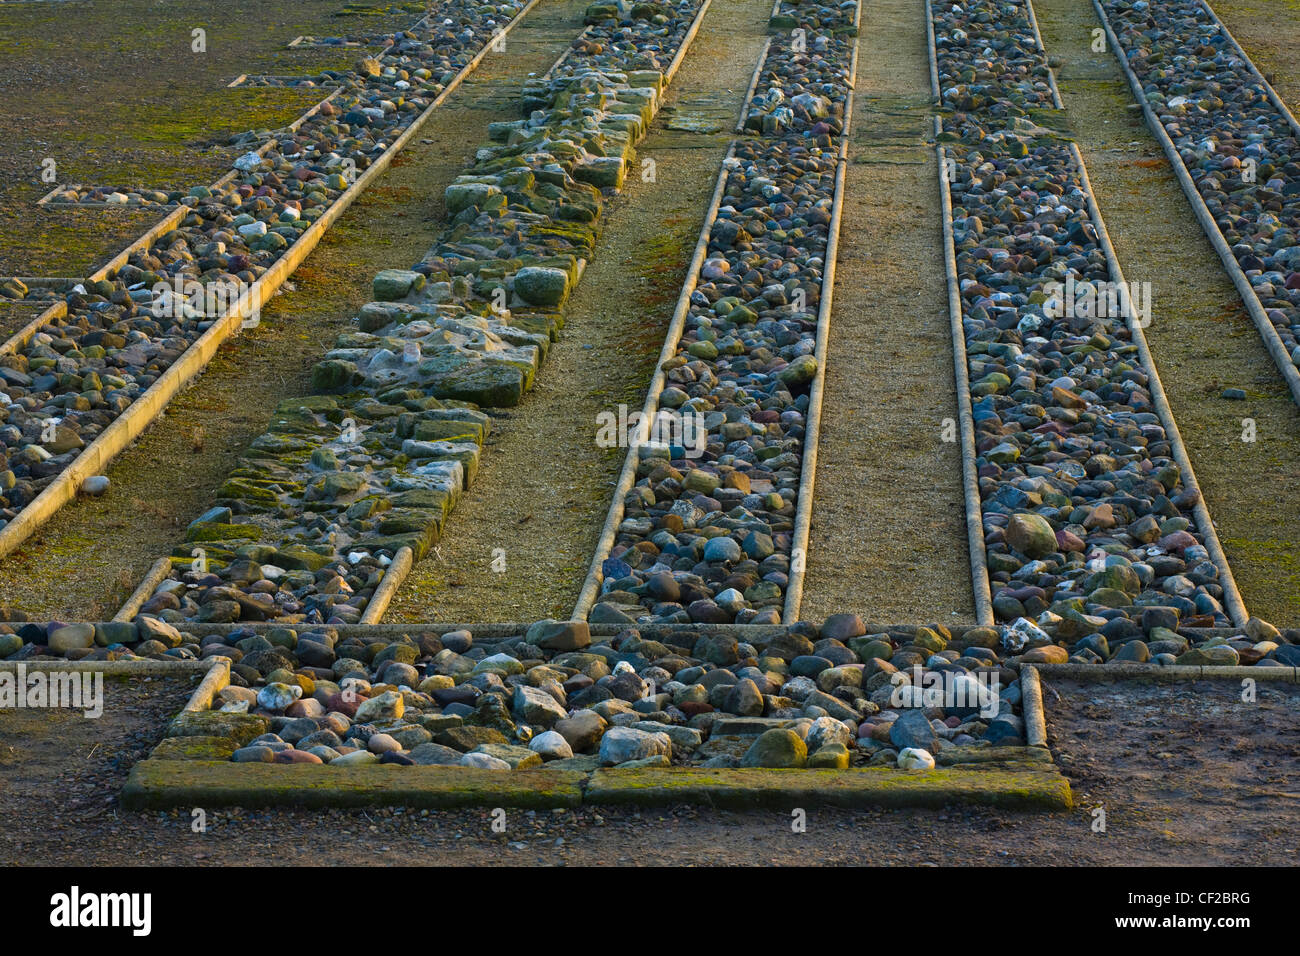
169,783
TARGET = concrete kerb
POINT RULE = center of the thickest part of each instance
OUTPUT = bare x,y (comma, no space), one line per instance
812,429
1272,341
499,630
214,680
158,572
144,410
158,784
847,789
1154,673
393,577
1031,707
978,560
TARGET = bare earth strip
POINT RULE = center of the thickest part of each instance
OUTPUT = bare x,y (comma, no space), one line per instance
85,561
1200,336
544,484
1187,774
888,529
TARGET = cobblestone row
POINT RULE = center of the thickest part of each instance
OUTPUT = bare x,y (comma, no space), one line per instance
706,532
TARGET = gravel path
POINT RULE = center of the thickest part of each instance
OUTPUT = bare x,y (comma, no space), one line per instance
99,548
888,487
547,519
59,775
1200,336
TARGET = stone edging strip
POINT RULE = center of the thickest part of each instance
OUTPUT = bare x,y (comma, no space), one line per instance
494,630
393,577
158,573
1170,673
1031,704
157,783
1231,596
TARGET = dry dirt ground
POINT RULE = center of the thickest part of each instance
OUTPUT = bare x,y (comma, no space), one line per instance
1186,774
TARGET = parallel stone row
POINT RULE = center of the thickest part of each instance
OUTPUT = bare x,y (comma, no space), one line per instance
1088,523
706,533
1239,148
375,460
60,389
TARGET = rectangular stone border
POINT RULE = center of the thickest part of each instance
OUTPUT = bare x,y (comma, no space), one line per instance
802,528
158,784
1028,780
590,591
155,783
1232,600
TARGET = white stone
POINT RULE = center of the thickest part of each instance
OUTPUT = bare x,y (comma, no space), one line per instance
551,746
